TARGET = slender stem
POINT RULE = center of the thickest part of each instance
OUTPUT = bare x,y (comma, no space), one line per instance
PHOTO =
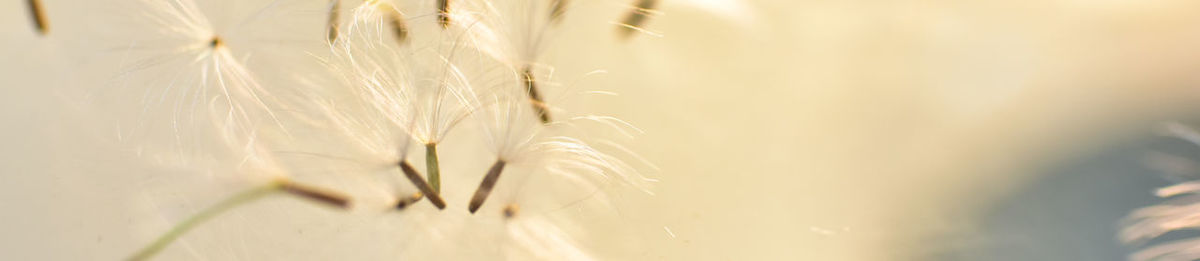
485,187
431,167
204,215
239,199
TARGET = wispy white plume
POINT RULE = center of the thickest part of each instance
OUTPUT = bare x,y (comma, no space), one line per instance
181,92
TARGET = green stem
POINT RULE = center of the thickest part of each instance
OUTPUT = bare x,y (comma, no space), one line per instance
431,167
204,215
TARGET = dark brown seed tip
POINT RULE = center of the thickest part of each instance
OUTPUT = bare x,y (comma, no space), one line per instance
39,16
417,180
333,24
511,210
399,28
444,13
315,194
557,9
636,17
406,201
543,111
216,42
485,187
535,97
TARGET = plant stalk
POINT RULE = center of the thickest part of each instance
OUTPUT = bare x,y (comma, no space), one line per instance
203,216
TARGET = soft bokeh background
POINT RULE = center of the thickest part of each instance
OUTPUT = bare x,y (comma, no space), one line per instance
781,130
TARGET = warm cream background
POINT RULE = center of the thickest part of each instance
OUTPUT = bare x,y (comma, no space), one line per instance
783,130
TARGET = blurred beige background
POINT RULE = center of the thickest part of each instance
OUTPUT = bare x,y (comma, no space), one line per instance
782,130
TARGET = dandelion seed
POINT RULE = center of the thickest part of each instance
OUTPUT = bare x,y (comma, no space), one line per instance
532,150
513,36
524,234
38,16
444,13
193,92
314,194
535,98
216,42
407,201
416,88
398,26
511,210
380,10
416,179
485,187
381,121
557,9
369,133
333,24
636,18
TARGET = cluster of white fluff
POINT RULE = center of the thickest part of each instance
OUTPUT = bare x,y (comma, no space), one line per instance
396,81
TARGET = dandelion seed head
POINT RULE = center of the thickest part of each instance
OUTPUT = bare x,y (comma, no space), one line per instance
389,92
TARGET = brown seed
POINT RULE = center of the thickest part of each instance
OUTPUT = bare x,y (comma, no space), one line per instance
406,201
535,97
399,27
216,42
444,13
419,181
39,16
485,187
315,194
557,9
332,26
636,17
511,210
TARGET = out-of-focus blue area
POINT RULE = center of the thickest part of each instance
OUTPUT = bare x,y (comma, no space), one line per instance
1073,210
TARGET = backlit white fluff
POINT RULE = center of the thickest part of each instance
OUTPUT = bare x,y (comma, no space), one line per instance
181,93
536,152
416,84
